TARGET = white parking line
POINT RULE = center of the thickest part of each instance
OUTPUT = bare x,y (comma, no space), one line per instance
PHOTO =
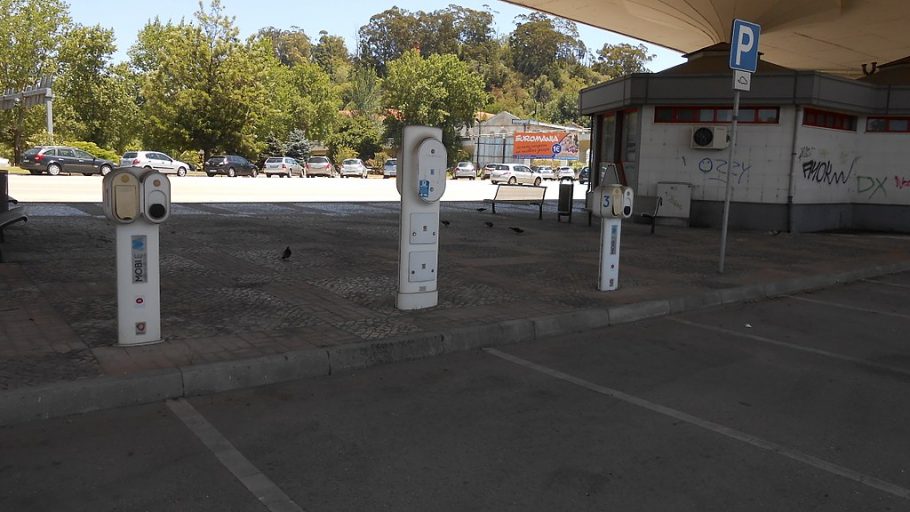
846,306
717,428
886,283
832,355
257,483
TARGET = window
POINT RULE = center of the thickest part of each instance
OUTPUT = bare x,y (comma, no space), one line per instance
832,120
66,152
83,154
888,124
747,115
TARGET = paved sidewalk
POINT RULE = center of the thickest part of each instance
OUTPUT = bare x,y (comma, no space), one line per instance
229,299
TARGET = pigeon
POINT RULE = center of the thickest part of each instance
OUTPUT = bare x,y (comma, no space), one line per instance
489,224
287,253
445,222
517,230
481,209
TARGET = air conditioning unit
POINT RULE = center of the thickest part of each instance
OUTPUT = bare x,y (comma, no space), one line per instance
709,137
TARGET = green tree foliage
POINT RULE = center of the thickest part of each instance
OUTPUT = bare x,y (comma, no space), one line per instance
439,90
291,47
361,134
539,42
331,54
30,33
365,93
615,61
94,100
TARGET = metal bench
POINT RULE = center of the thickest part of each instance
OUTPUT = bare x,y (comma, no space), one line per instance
653,216
10,217
519,194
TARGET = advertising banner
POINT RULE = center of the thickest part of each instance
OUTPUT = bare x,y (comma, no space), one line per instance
554,145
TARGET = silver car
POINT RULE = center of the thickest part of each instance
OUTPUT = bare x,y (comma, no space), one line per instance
353,167
513,174
283,166
464,170
319,166
545,172
566,173
155,160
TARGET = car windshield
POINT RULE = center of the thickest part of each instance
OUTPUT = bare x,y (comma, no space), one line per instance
351,161
318,160
464,164
216,159
391,162
274,160
131,154
30,152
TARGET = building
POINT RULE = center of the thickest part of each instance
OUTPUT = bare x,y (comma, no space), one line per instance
813,151
492,138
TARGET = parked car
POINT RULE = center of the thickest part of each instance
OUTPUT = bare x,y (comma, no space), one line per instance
585,175
230,165
283,166
485,172
514,173
390,168
565,172
353,167
319,166
4,163
56,159
154,160
545,172
464,170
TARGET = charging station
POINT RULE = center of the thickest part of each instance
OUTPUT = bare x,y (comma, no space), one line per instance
421,181
137,200
612,204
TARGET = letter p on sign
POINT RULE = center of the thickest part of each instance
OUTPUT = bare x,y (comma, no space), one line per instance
744,46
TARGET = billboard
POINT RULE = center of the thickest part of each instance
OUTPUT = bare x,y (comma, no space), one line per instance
554,145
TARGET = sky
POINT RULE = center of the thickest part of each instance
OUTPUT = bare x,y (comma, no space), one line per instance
128,18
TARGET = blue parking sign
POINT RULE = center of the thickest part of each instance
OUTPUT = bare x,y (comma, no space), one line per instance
744,46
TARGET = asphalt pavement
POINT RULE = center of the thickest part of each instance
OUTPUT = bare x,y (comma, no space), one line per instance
235,314
793,403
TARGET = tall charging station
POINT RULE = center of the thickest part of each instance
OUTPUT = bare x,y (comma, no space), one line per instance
612,204
136,201
421,181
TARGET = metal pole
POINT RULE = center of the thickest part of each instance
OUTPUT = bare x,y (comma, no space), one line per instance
50,118
723,229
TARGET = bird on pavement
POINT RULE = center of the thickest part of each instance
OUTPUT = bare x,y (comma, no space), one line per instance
489,224
481,209
517,230
445,222
287,253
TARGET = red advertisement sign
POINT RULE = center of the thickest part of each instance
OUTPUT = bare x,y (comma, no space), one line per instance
555,145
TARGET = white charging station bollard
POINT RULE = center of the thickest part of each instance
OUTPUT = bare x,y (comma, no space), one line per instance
137,200
421,181
612,204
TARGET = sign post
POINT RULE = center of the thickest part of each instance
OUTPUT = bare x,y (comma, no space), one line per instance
743,62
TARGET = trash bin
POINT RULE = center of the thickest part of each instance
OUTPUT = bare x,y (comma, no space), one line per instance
4,191
564,205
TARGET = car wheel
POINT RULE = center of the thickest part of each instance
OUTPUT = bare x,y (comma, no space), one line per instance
53,169
211,174
105,169
254,173
232,173
181,172
513,181
537,182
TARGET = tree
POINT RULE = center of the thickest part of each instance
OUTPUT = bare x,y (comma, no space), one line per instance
30,32
615,61
331,53
437,91
539,42
386,37
360,133
291,47
365,93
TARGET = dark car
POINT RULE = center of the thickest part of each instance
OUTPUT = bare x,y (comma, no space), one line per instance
585,175
230,165
56,159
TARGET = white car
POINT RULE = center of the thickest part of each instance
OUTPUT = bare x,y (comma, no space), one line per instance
155,160
353,167
514,174
283,166
545,172
464,170
565,172
4,163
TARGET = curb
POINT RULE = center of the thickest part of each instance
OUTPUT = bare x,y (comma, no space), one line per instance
82,396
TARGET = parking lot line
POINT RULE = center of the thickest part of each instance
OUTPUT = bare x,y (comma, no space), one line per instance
886,283
717,428
847,306
254,480
769,341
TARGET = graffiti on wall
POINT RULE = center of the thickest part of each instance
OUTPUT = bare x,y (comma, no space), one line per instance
819,169
716,169
871,187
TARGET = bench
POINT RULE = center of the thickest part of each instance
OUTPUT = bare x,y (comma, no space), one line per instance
519,194
10,217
